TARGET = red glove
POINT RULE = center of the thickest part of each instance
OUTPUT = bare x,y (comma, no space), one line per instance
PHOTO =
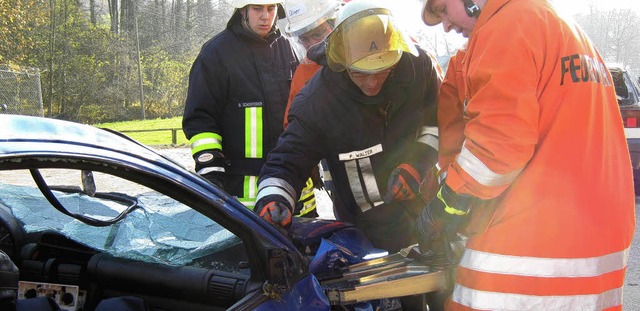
275,210
404,183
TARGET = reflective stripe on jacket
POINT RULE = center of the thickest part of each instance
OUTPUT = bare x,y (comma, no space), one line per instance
545,142
238,90
363,138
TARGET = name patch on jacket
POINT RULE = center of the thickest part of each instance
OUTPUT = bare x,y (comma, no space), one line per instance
250,104
583,68
361,153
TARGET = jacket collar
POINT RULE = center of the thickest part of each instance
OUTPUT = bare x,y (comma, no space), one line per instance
490,8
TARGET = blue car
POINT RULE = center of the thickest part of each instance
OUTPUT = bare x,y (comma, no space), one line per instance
88,214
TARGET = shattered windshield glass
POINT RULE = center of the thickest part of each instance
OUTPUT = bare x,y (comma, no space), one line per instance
160,229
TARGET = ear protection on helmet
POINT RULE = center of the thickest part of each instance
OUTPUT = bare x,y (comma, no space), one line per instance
472,8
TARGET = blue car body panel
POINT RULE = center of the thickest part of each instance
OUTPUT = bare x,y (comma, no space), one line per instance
307,294
57,143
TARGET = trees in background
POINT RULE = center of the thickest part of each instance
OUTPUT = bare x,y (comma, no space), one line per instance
87,50
615,34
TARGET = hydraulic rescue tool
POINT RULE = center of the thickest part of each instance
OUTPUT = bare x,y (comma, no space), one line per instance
407,272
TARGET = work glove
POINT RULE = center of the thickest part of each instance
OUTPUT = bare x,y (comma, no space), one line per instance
210,164
441,219
431,183
275,209
404,183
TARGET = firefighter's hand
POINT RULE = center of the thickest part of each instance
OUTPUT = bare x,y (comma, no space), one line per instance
274,209
216,178
441,218
211,164
403,184
431,183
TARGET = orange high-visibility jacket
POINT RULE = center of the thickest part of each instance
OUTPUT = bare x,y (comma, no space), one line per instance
450,111
545,146
304,72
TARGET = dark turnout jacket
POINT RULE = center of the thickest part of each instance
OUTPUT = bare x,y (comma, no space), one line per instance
363,139
238,89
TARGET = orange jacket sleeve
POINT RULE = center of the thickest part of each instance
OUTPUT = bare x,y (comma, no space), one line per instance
450,112
304,72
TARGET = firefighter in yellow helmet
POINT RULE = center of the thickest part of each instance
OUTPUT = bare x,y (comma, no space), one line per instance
238,88
367,111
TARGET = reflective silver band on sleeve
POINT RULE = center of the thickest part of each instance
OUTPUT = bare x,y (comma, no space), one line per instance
480,172
428,135
484,300
279,187
210,169
544,267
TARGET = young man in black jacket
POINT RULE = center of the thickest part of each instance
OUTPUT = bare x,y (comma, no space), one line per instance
238,91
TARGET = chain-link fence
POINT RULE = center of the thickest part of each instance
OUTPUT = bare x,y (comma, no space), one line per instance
20,91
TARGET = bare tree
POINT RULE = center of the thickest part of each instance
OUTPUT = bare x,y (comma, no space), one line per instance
614,33
114,15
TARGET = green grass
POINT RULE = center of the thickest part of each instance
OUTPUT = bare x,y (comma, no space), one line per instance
152,138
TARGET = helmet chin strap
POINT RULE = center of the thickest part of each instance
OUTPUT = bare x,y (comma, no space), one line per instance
245,22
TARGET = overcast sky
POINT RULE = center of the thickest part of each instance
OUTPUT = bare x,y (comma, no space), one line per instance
409,12
582,6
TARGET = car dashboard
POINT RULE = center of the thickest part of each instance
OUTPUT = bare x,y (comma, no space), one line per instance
78,265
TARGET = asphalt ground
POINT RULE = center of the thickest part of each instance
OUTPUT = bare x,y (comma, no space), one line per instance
632,280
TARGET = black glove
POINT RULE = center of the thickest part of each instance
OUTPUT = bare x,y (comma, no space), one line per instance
275,209
441,218
210,164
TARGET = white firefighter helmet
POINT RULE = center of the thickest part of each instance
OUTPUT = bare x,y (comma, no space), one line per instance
305,15
429,17
366,38
239,4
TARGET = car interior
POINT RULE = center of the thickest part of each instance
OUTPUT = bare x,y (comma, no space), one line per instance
627,92
79,258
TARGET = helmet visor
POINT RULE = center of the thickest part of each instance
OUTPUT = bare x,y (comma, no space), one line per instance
368,41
